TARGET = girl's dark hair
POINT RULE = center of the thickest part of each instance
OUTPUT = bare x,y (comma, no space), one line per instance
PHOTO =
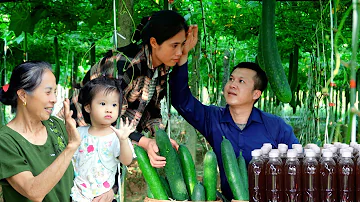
163,25
27,76
97,85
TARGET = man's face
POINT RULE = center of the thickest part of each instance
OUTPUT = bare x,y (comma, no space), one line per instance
239,90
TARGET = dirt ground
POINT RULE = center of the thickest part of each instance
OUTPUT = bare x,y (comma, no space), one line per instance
135,184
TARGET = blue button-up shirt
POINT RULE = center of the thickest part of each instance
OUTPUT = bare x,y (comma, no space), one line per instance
215,122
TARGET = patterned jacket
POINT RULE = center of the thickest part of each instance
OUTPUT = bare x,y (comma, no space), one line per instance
143,85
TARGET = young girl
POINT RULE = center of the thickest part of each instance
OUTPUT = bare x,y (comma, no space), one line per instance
102,145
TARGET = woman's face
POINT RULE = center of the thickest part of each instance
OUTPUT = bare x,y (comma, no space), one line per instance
41,101
170,51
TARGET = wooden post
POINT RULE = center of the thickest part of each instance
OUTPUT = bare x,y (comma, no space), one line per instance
57,60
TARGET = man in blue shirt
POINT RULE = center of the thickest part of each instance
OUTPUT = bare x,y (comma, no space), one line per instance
245,126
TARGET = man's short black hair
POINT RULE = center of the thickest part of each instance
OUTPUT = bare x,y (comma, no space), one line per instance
260,79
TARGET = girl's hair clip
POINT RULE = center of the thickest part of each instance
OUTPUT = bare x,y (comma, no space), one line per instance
5,87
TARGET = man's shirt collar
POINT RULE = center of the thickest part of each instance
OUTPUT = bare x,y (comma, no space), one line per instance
254,116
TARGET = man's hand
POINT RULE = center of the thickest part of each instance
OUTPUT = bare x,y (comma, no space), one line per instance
191,40
105,197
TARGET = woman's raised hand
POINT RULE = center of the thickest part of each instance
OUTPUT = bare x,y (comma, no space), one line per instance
125,129
70,123
191,40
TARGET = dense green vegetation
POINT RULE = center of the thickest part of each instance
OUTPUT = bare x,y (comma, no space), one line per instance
63,32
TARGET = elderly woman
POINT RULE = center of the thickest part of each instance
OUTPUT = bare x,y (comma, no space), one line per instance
36,148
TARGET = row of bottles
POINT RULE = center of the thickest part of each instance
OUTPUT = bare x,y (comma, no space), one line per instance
326,175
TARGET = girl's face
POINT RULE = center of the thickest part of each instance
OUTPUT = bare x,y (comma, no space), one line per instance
104,108
169,52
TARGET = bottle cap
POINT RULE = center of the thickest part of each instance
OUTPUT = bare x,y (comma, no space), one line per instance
275,150
295,145
316,150
298,149
327,146
273,154
343,146
309,145
333,149
291,153
265,150
327,154
346,154
307,150
282,146
324,150
267,145
310,154
353,144
256,152
337,144
343,150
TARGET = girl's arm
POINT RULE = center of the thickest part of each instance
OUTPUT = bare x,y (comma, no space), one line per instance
126,155
123,134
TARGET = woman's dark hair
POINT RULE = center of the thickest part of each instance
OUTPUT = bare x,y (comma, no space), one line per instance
97,85
163,25
27,76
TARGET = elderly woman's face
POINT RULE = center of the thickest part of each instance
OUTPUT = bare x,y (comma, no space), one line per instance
40,102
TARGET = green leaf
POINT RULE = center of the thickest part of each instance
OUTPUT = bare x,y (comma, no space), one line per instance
94,18
7,36
20,38
38,15
21,21
187,16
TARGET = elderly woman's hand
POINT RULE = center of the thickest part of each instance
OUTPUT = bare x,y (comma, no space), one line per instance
70,123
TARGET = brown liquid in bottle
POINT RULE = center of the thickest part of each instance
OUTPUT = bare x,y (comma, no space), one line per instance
328,178
283,148
357,180
274,179
256,172
310,178
346,173
292,178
